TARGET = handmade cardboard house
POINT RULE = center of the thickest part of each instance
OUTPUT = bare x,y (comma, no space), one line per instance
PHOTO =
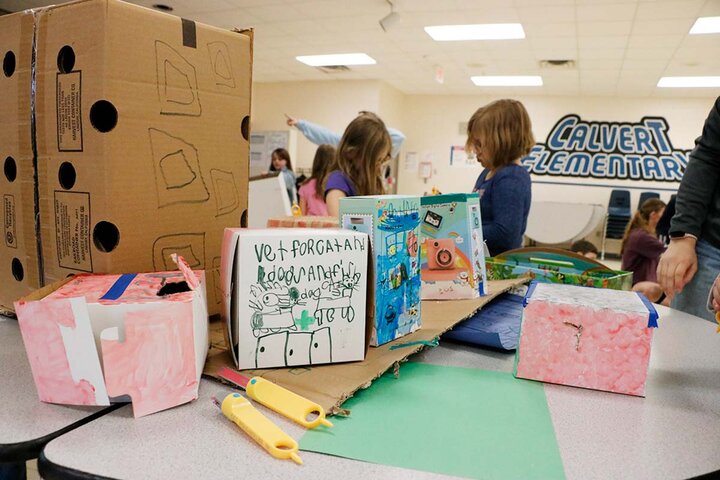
586,337
140,125
94,339
393,224
452,260
295,297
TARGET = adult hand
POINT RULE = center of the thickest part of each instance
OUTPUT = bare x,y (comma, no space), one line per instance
677,265
716,294
291,121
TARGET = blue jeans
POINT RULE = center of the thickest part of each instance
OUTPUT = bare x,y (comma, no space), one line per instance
693,298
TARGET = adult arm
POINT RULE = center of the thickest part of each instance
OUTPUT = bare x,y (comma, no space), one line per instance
679,264
397,138
315,133
508,205
318,134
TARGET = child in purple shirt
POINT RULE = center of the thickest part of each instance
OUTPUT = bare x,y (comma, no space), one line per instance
364,148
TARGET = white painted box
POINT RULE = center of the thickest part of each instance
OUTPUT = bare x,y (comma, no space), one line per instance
294,296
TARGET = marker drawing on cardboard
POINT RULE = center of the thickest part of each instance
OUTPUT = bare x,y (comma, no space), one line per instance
221,65
177,82
190,246
103,338
227,198
177,170
393,225
295,297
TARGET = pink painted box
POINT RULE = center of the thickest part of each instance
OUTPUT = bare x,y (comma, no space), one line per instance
586,337
98,339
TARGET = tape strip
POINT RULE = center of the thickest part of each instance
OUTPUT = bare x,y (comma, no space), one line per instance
653,315
119,287
189,33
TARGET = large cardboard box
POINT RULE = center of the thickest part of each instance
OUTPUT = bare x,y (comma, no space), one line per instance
295,297
97,338
19,268
452,253
142,135
586,337
393,223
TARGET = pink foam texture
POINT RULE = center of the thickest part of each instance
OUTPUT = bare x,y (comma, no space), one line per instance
612,353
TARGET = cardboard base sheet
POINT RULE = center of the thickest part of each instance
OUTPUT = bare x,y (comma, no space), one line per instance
331,385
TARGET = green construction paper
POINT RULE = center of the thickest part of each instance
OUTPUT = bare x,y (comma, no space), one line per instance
455,421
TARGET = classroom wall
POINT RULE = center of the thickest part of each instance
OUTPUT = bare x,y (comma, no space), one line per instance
434,123
432,126
332,104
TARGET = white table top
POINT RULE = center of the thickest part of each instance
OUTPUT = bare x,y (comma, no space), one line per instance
25,422
672,433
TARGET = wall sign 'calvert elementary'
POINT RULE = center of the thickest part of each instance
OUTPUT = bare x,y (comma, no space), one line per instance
608,150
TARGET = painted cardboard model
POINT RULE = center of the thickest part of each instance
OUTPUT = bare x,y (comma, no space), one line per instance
586,337
295,296
393,223
554,265
303,222
452,261
98,338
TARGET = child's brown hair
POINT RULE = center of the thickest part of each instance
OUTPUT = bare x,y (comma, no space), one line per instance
503,130
321,167
641,218
363,149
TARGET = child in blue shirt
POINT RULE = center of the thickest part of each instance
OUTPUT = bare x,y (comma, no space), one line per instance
500,134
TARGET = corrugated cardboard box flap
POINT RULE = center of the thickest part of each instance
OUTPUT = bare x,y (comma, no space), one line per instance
331,385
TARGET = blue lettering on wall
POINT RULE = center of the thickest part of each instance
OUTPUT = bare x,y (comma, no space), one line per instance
613,150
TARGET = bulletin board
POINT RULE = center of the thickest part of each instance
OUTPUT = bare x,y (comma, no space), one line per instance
262,144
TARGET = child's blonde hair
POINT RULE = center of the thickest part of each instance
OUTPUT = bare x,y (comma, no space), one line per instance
322,163
641,218
503,130
364,147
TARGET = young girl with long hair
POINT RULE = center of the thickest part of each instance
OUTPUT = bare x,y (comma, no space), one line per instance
641,249
364,148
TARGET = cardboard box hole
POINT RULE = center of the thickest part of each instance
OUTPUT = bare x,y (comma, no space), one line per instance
17,270
103,116
245,128
173,287
66,59
9,64
67,175
106,236
10,169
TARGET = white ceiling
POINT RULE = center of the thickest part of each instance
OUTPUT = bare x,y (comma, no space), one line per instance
621,47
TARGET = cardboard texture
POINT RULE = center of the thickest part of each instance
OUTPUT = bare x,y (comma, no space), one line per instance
331,385
452,257
19,268
303,222
94,339
586,337
295,297
393,223
463,422
554,265
142,138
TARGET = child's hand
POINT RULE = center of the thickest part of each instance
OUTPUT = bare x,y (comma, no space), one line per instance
291,121
716,294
